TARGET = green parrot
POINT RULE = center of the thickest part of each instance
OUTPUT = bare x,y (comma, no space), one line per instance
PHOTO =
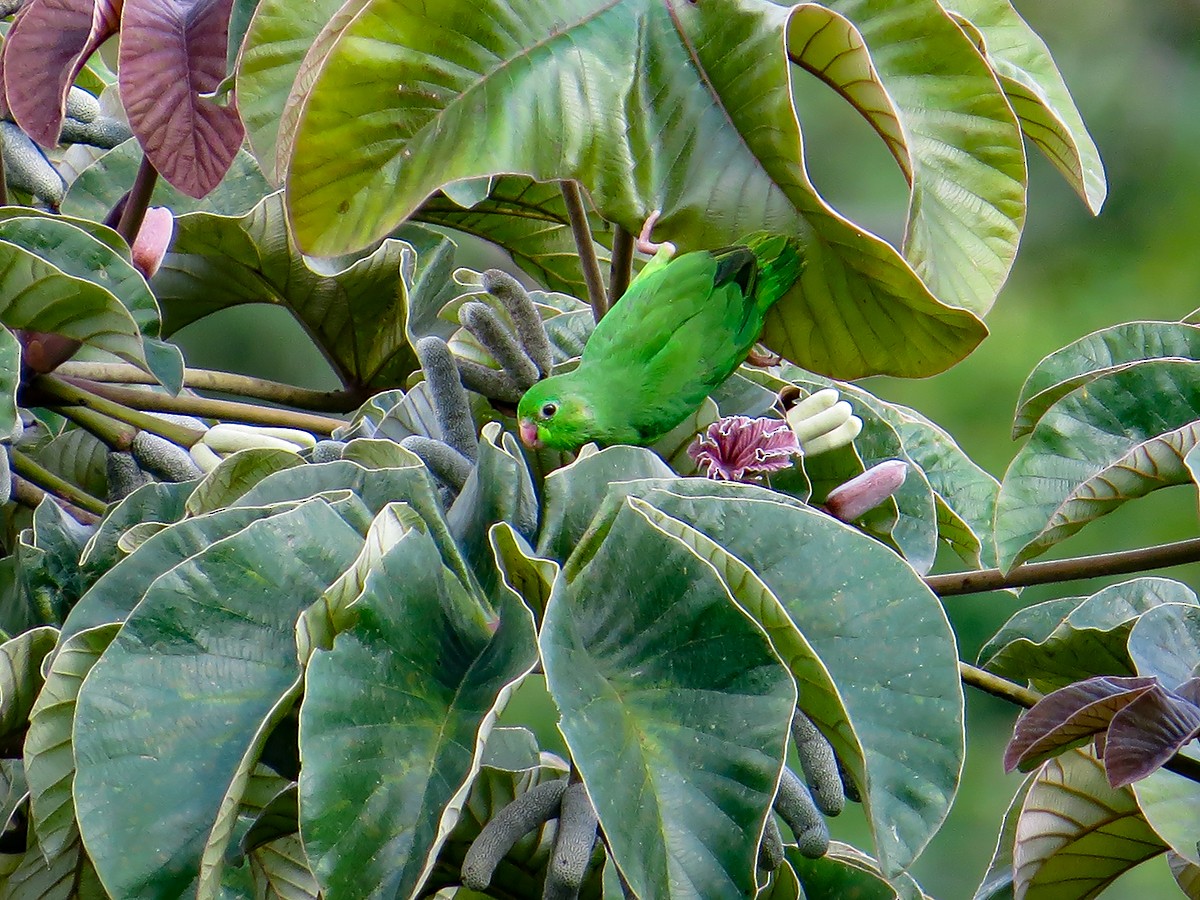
682,327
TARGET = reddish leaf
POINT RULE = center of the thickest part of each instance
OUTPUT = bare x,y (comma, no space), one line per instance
1069,717
47,46
172,51
1146,733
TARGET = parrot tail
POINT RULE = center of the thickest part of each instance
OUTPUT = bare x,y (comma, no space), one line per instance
780,263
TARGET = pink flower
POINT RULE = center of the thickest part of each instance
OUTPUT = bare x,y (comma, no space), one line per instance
153,238
737,446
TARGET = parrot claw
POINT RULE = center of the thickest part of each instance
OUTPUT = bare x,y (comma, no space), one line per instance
647,246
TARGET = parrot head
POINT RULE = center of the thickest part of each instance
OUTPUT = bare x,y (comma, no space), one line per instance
551,415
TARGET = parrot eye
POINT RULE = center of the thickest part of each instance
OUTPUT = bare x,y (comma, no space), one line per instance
549,410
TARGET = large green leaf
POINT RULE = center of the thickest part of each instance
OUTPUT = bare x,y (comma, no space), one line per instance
1096,448
161,502
49,749
178,702
528,219
354,309
906,709
674,706
1095,355
10,380
712,143
818,695
236,474
117,591
499,489
376,488
98,188
279,36
1076,833
391,716
39,296
21,675
1037,93
74,247
960,138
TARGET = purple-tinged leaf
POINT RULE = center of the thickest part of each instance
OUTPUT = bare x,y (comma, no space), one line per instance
1190,691
46,48
1146,733
172,51
1069,717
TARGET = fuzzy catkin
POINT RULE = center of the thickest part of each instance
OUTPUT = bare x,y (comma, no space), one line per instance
795,805
449,396
491,383
530,330
482,321
573,844
442,460
508,826
819,764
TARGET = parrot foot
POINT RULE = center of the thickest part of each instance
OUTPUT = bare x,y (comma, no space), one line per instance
649,247
763,359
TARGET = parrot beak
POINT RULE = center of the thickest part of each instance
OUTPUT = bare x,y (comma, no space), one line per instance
529,434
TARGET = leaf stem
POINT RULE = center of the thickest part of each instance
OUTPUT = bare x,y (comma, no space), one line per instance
30,495
33,471
226,383
582,233
1024,697
229,410
71,393
3,183
1120,562
620,268
139,200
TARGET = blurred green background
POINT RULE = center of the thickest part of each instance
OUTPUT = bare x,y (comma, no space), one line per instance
1134,69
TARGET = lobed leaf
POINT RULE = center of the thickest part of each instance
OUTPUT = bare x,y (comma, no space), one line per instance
1076,834
1038,95
1070,717
172,52
1096,448
962,140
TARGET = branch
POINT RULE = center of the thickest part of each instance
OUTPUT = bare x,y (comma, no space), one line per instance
30,495
1024,697
138,201
621,268
71,393
226,383
577,213
228,410
1121,562
35,472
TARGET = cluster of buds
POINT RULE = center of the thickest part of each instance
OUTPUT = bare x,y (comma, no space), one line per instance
226,439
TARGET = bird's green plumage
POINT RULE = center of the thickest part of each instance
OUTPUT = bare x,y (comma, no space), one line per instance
683,326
